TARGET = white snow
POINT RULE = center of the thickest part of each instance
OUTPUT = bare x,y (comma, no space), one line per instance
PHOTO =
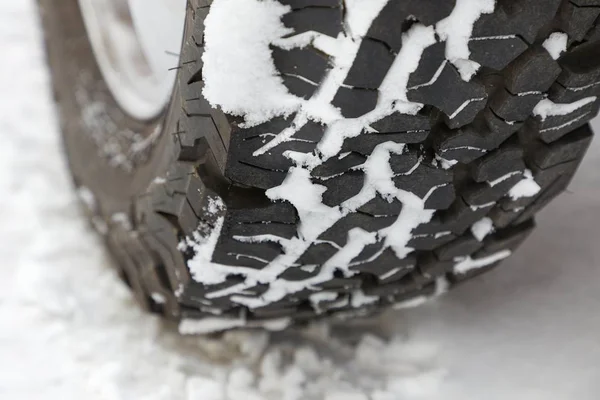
482,228
547,108
526,187
237,78
456,30
71,331
556,44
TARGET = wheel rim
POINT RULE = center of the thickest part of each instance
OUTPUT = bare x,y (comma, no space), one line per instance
137,44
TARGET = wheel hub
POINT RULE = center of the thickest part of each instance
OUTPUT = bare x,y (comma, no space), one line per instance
137,44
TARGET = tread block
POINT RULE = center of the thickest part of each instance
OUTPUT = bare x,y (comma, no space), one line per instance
542,200
502,218
499,129
430,242
325,20
342,187
496,52
511,107
560,94
460,247
298,86
510,238
286,231
366,143
430,267
403,123
460,216
580,66
178,207
523,18
273,159
463,144
441,198
340,285
388,26
370,65
407,284
339,231
317,254
311,131
354,102
545,177
423,179
253,176
555,127
432,59
461,100
485,193
578,19
300,273
306,62
255,255
379,263
507,159
381,207
281,212
337,165
568,148
532,71
403,163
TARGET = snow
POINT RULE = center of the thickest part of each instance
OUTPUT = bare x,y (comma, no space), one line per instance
456,30
71,331
556,44
526,187
547,108
239,74
482,228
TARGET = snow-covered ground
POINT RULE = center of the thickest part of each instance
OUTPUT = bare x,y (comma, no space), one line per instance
70,330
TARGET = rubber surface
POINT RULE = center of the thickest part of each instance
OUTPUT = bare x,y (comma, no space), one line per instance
210,175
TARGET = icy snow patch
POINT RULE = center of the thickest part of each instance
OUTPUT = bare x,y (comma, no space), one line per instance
556,44
547,108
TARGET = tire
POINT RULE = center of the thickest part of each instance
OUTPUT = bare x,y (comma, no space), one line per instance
209,230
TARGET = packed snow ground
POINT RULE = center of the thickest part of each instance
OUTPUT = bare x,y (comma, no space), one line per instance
70,330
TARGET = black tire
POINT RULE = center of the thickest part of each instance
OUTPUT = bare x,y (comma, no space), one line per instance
147,193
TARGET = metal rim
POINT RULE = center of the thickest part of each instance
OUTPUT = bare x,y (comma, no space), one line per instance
136,44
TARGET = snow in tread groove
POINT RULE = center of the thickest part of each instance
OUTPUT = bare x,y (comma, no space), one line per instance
231,42
556,44
482,228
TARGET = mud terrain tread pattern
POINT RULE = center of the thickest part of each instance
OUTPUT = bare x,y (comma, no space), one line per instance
491,137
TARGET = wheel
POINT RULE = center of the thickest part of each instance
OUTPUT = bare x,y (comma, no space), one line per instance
264,163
